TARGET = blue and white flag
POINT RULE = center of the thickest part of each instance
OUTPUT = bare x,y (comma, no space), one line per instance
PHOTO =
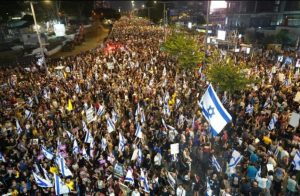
41,182
88,137
2,157
70,135
249,109
103,144
75,149
145,183
60,187
46,94
166,110
143,118
122,142
286,82
178,102
110,125
164,123
48,154
216,164
18,127
139,157
171,180
28,114
101,110
84,154
296,161
46,174
138,132
267,103
272,123
29,101
208,191
63,168
84,126
236,157
138,110
77,89
129,176
114,117
213,111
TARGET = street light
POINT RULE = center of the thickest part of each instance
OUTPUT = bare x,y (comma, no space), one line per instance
38,35
143,6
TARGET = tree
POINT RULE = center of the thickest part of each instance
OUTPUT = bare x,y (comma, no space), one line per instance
184,48
227,75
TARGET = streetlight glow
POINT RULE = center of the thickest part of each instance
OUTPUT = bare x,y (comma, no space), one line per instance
143,6
154,2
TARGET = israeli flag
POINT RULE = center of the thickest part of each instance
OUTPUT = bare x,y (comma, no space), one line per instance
171,180
286,82
2,157
103,143
267,103
167,97
236,157
122,142
249,109
139,157
138,110
29,101
166,110
129,176
272,123
145,183
164,123
110,125
28,114
213,111
75,149
18,127
46,174
114,117
84,154
77,89
46,94
138,132
178,102
60,187
70,135
88,137
216,164
143,118
296,161
63,169
84,126
41,182
101,110
208,191
49,155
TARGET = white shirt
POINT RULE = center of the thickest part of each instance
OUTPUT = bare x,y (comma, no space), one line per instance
157,159
135,193
180,191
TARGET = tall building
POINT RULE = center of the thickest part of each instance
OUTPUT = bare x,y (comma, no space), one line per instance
263,13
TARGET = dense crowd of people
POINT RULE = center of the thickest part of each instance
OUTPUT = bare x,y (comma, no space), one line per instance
140,105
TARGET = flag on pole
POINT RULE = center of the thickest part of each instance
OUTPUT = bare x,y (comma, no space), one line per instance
110,125
164,123
139,157
114,117
29,101
92,149
41,182
49,155
70,135
70,106
18,127
143,118
103,143
63,169
129,176
138,132
75,149
84,154
46,174
208,191
138,110
171,180
236,157
216,164
84,126
122,142
60,186
101,110
213,111
249,109
296,161
28,114
166,110
145,183
272,123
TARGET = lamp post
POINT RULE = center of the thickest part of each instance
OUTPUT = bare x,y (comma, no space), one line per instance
165,16
39,37
206,28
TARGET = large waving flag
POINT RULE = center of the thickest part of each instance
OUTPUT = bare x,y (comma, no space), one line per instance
75,149
122,142
235,159
216,164
129,176
47,153
110,125
138,132
18,127
213,111
41,182
296,161
64,170
60,187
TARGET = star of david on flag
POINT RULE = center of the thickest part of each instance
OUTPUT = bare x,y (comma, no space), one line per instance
214,111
